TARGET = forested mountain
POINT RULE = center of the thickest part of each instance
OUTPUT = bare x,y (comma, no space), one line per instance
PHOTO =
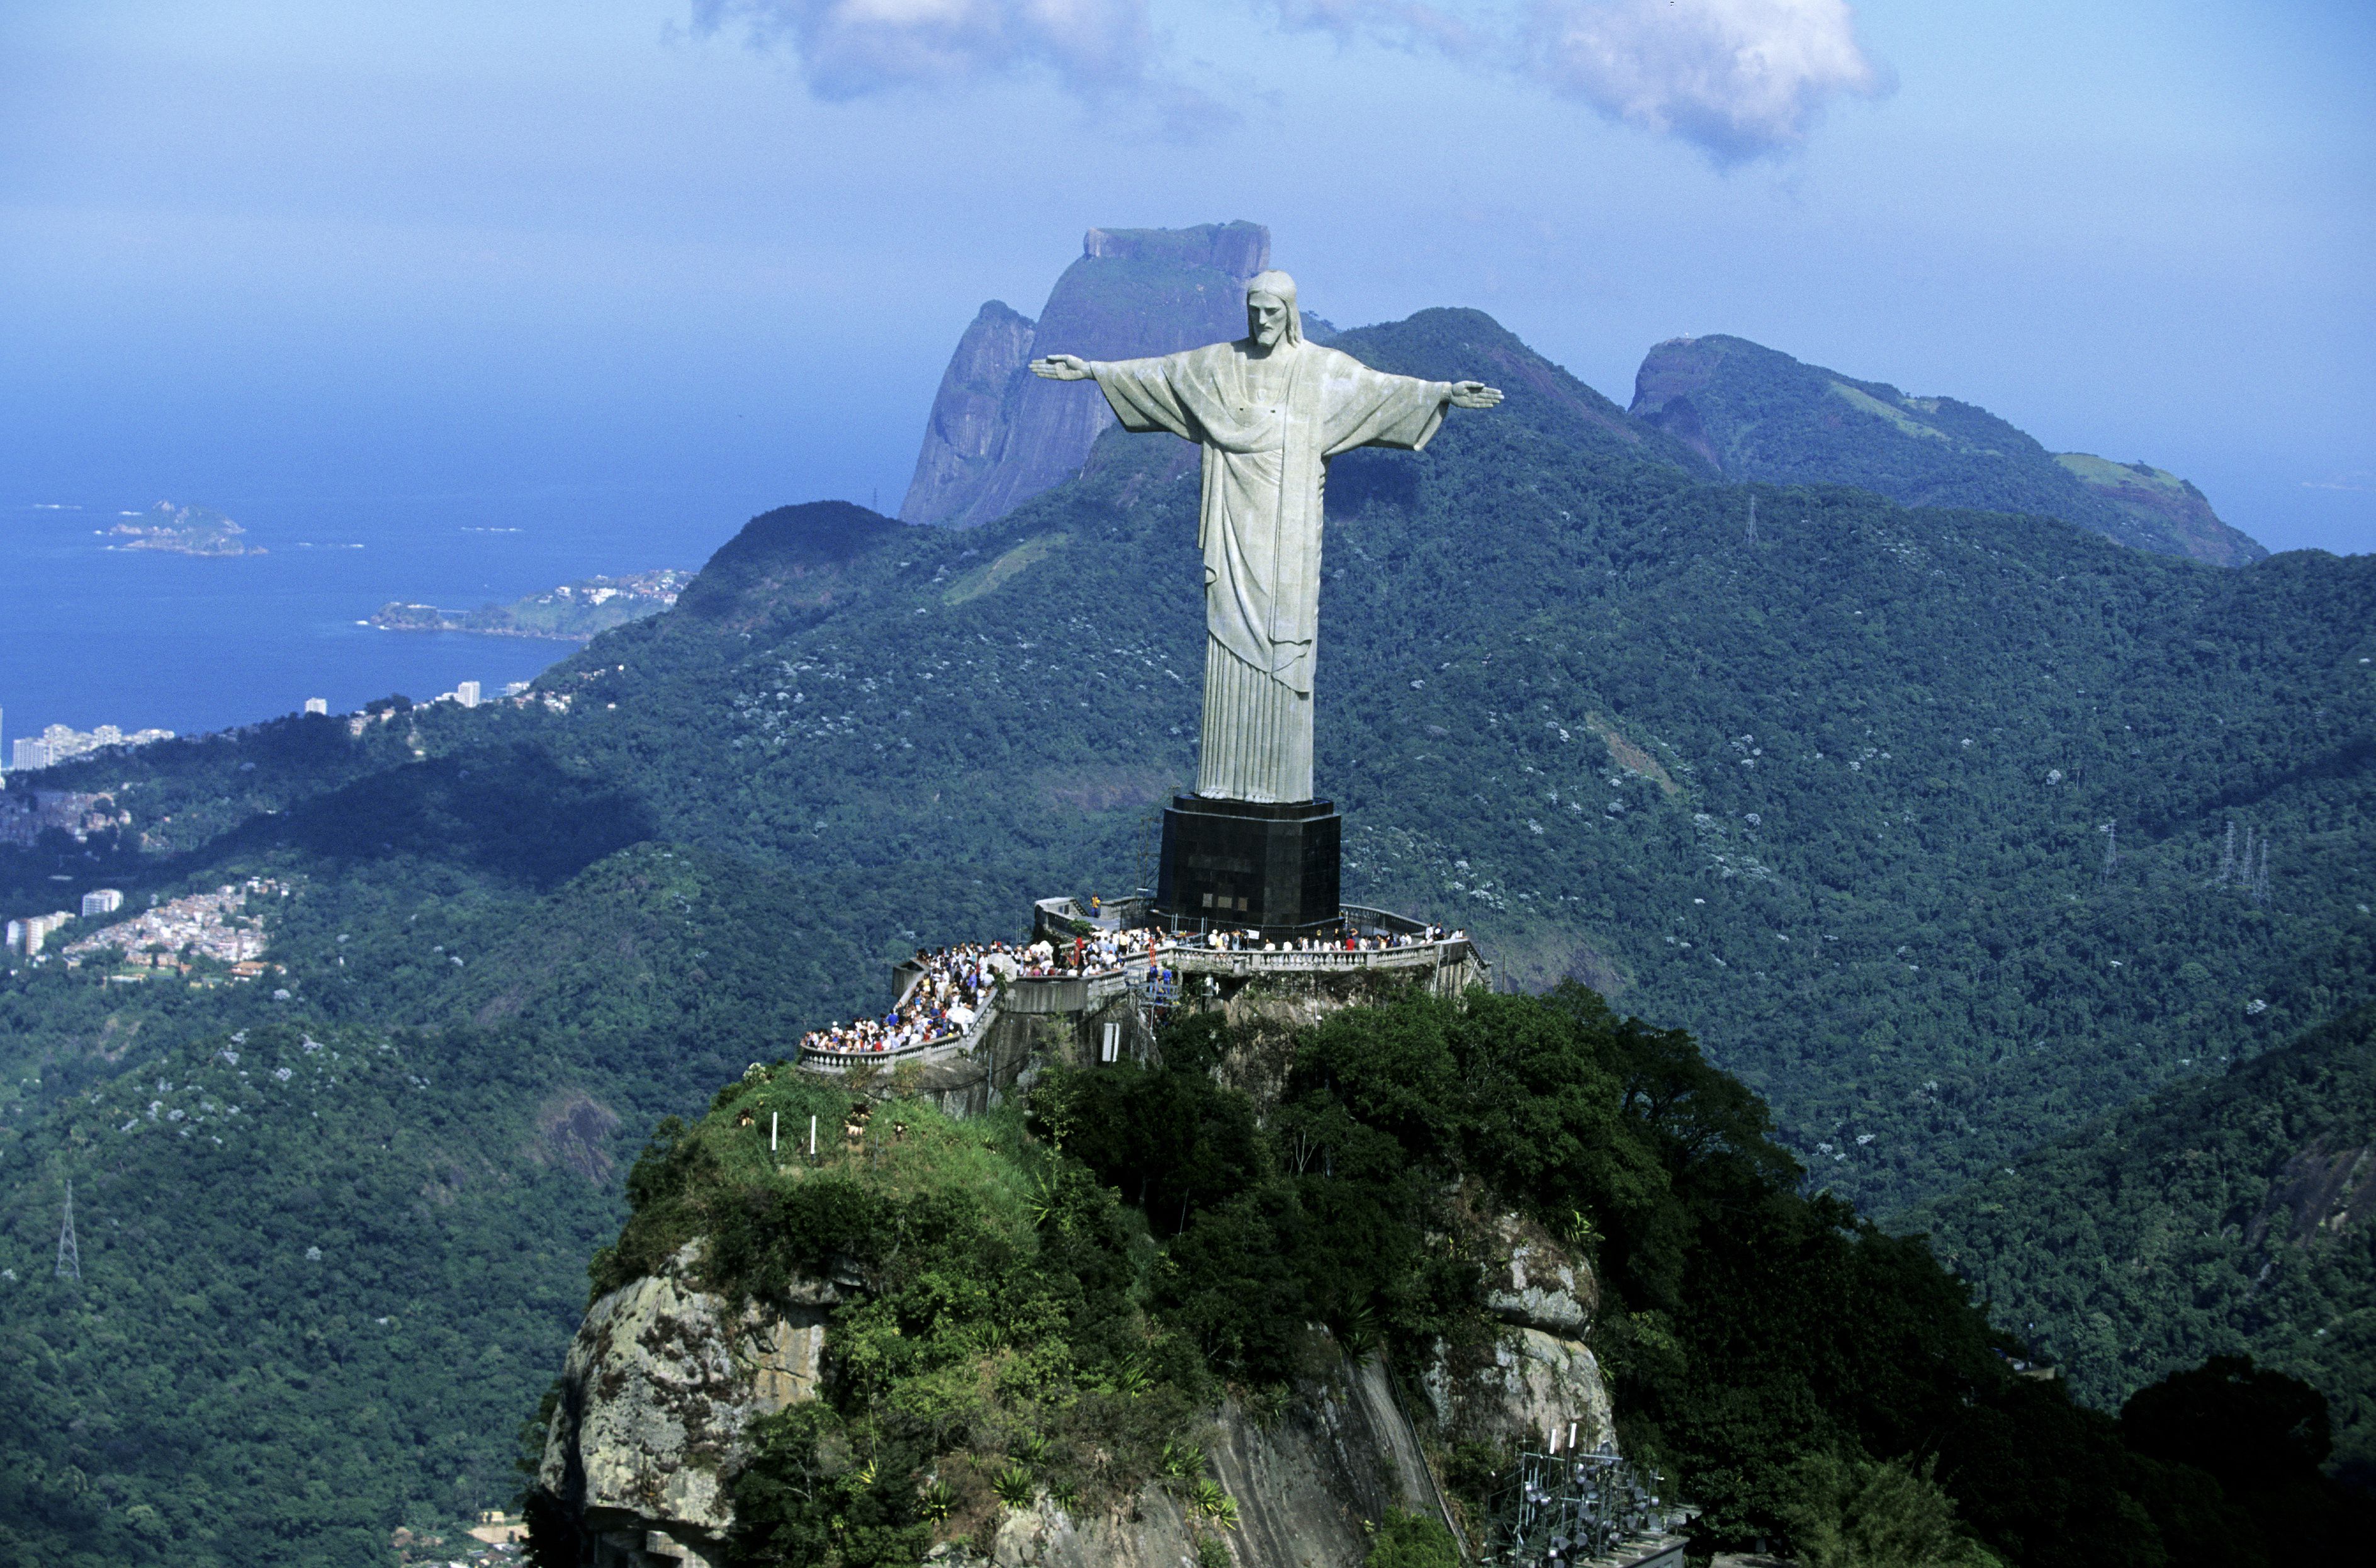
2220,1217
1835,797
1917,817
1756,413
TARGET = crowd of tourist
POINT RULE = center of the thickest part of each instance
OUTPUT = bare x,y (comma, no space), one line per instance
956,983
950,993
1099,952
1347,941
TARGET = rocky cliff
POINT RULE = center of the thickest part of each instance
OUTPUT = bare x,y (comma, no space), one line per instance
1759,414
658,1394
666,1378
998,435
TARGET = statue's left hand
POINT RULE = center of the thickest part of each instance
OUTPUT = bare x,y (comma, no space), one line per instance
1063,367
1474,395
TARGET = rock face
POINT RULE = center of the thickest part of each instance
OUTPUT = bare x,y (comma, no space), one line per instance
658,1394
1541,1377
1536,1283
968,423
1756,413
664,1380
999,436
1307,1485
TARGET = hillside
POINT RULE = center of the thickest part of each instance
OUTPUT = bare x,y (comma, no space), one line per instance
1835,800
1858,772
1758,414
2218,1219
1037,1315
1565,702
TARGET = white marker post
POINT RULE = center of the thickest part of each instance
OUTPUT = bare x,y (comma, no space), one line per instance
811,1137
773,1118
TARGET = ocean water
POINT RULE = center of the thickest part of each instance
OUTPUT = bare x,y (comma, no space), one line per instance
145,640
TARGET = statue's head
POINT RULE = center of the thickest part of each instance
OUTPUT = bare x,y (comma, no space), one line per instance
1271,316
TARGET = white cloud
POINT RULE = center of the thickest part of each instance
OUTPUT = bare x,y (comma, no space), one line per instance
2362,480
1739,78
1404,23
850,47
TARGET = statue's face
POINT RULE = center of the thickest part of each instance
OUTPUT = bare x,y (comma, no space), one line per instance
1266,319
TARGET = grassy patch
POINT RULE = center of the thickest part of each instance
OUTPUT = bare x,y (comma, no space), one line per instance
1898,417
1005,569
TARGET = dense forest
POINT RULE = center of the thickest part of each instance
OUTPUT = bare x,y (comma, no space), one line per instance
1945,832
2219,1218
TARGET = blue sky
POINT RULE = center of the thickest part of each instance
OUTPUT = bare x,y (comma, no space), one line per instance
669,262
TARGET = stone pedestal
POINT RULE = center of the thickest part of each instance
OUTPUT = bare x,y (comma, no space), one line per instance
1237,864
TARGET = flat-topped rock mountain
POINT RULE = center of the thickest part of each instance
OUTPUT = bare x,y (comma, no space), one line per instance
998,435
1756,413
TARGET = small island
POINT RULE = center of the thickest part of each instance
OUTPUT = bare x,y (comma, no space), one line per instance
572,612
183,530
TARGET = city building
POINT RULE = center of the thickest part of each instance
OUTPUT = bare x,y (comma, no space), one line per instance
101,901
59,743
27,936
317,704
467,693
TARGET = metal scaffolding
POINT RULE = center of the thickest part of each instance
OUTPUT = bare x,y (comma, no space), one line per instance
1565,1510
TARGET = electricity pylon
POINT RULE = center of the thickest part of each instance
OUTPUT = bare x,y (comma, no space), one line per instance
69,1252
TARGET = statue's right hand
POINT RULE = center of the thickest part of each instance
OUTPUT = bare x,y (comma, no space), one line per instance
1061,367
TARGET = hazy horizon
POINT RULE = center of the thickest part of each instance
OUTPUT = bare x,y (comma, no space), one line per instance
637,270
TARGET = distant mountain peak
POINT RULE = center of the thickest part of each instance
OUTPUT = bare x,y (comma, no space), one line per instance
998,435
1755,412
1238,248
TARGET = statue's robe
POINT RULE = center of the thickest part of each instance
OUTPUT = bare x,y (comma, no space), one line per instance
1265,460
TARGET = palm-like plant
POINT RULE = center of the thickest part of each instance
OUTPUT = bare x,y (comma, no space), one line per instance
1216,1506
1013,1487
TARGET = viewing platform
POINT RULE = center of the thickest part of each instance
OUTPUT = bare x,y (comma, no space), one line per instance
1093,984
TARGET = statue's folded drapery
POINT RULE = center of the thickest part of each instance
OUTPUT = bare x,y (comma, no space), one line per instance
1264,457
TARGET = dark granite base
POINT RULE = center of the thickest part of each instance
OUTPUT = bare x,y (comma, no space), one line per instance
1236,864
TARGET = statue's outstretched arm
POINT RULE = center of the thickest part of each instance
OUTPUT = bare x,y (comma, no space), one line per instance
1465,394
1071,367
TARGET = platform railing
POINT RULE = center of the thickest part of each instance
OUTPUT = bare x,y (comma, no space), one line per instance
1186,952
1210,960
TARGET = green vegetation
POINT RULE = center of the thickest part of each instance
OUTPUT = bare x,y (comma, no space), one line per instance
1047,1310
2218,1219
1849,1514
1911,948
306,1294
1000,1350
1412,1540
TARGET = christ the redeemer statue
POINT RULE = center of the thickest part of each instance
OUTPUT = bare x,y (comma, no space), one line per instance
1270,411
